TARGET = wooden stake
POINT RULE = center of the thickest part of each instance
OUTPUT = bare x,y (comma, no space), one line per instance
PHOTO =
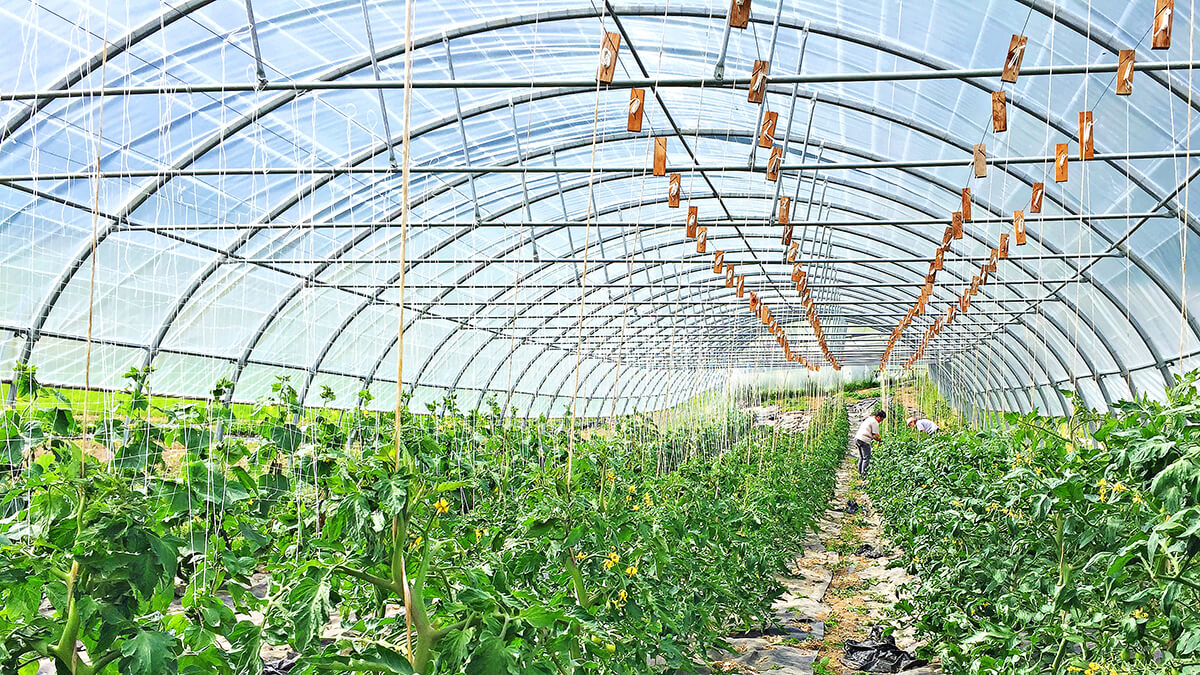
1035,202
692,221
608,57
966,203
1087,144
701,240
758,81
956,225
1019,225
1003,245
1012,62
999,113
766,135
787,235
774,162
793,251
741,285
660,156
785,209
739,13
673,190
1164,11
718,262
637,101
981,161
1125,73
1060,163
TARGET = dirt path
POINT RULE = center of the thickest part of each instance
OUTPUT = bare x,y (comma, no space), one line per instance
835,592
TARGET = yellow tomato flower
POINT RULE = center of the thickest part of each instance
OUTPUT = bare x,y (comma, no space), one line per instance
631,570
1137,499
622,595
613,559
635,507
580,555
1119,487
442,506
416,543
632,489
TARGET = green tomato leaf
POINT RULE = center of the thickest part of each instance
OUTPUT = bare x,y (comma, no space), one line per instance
308,607
24,599
148,653
490,658
246,640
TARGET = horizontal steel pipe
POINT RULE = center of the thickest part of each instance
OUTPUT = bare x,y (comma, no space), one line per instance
628,83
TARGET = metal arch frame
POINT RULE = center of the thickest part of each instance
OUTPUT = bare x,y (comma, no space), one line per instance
515,207
639,15
1136,260
647,327
487,386
978,384
591,332
1062,331
819,31
1007,365
894,120
640,328
1149,271
1030,327
592,373
91,65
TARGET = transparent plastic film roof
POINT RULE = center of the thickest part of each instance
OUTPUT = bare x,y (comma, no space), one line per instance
602,206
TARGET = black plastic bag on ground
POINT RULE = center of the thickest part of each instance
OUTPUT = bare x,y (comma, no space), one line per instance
879,654
868,551
852,508
280,667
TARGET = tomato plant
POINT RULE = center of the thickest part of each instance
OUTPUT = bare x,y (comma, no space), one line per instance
191,537
1057,545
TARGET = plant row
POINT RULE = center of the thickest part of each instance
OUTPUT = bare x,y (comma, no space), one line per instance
477,543
1054,545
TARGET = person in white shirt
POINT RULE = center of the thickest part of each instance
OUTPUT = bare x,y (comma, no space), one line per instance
922,425
868,432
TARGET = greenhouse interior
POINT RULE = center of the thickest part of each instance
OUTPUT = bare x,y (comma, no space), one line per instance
500,337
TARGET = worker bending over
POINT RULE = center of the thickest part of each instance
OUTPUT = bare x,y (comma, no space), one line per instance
922,425
868,432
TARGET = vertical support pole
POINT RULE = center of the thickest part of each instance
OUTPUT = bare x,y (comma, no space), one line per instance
787,137
259,72
524,183
762,106
387,127
462,132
